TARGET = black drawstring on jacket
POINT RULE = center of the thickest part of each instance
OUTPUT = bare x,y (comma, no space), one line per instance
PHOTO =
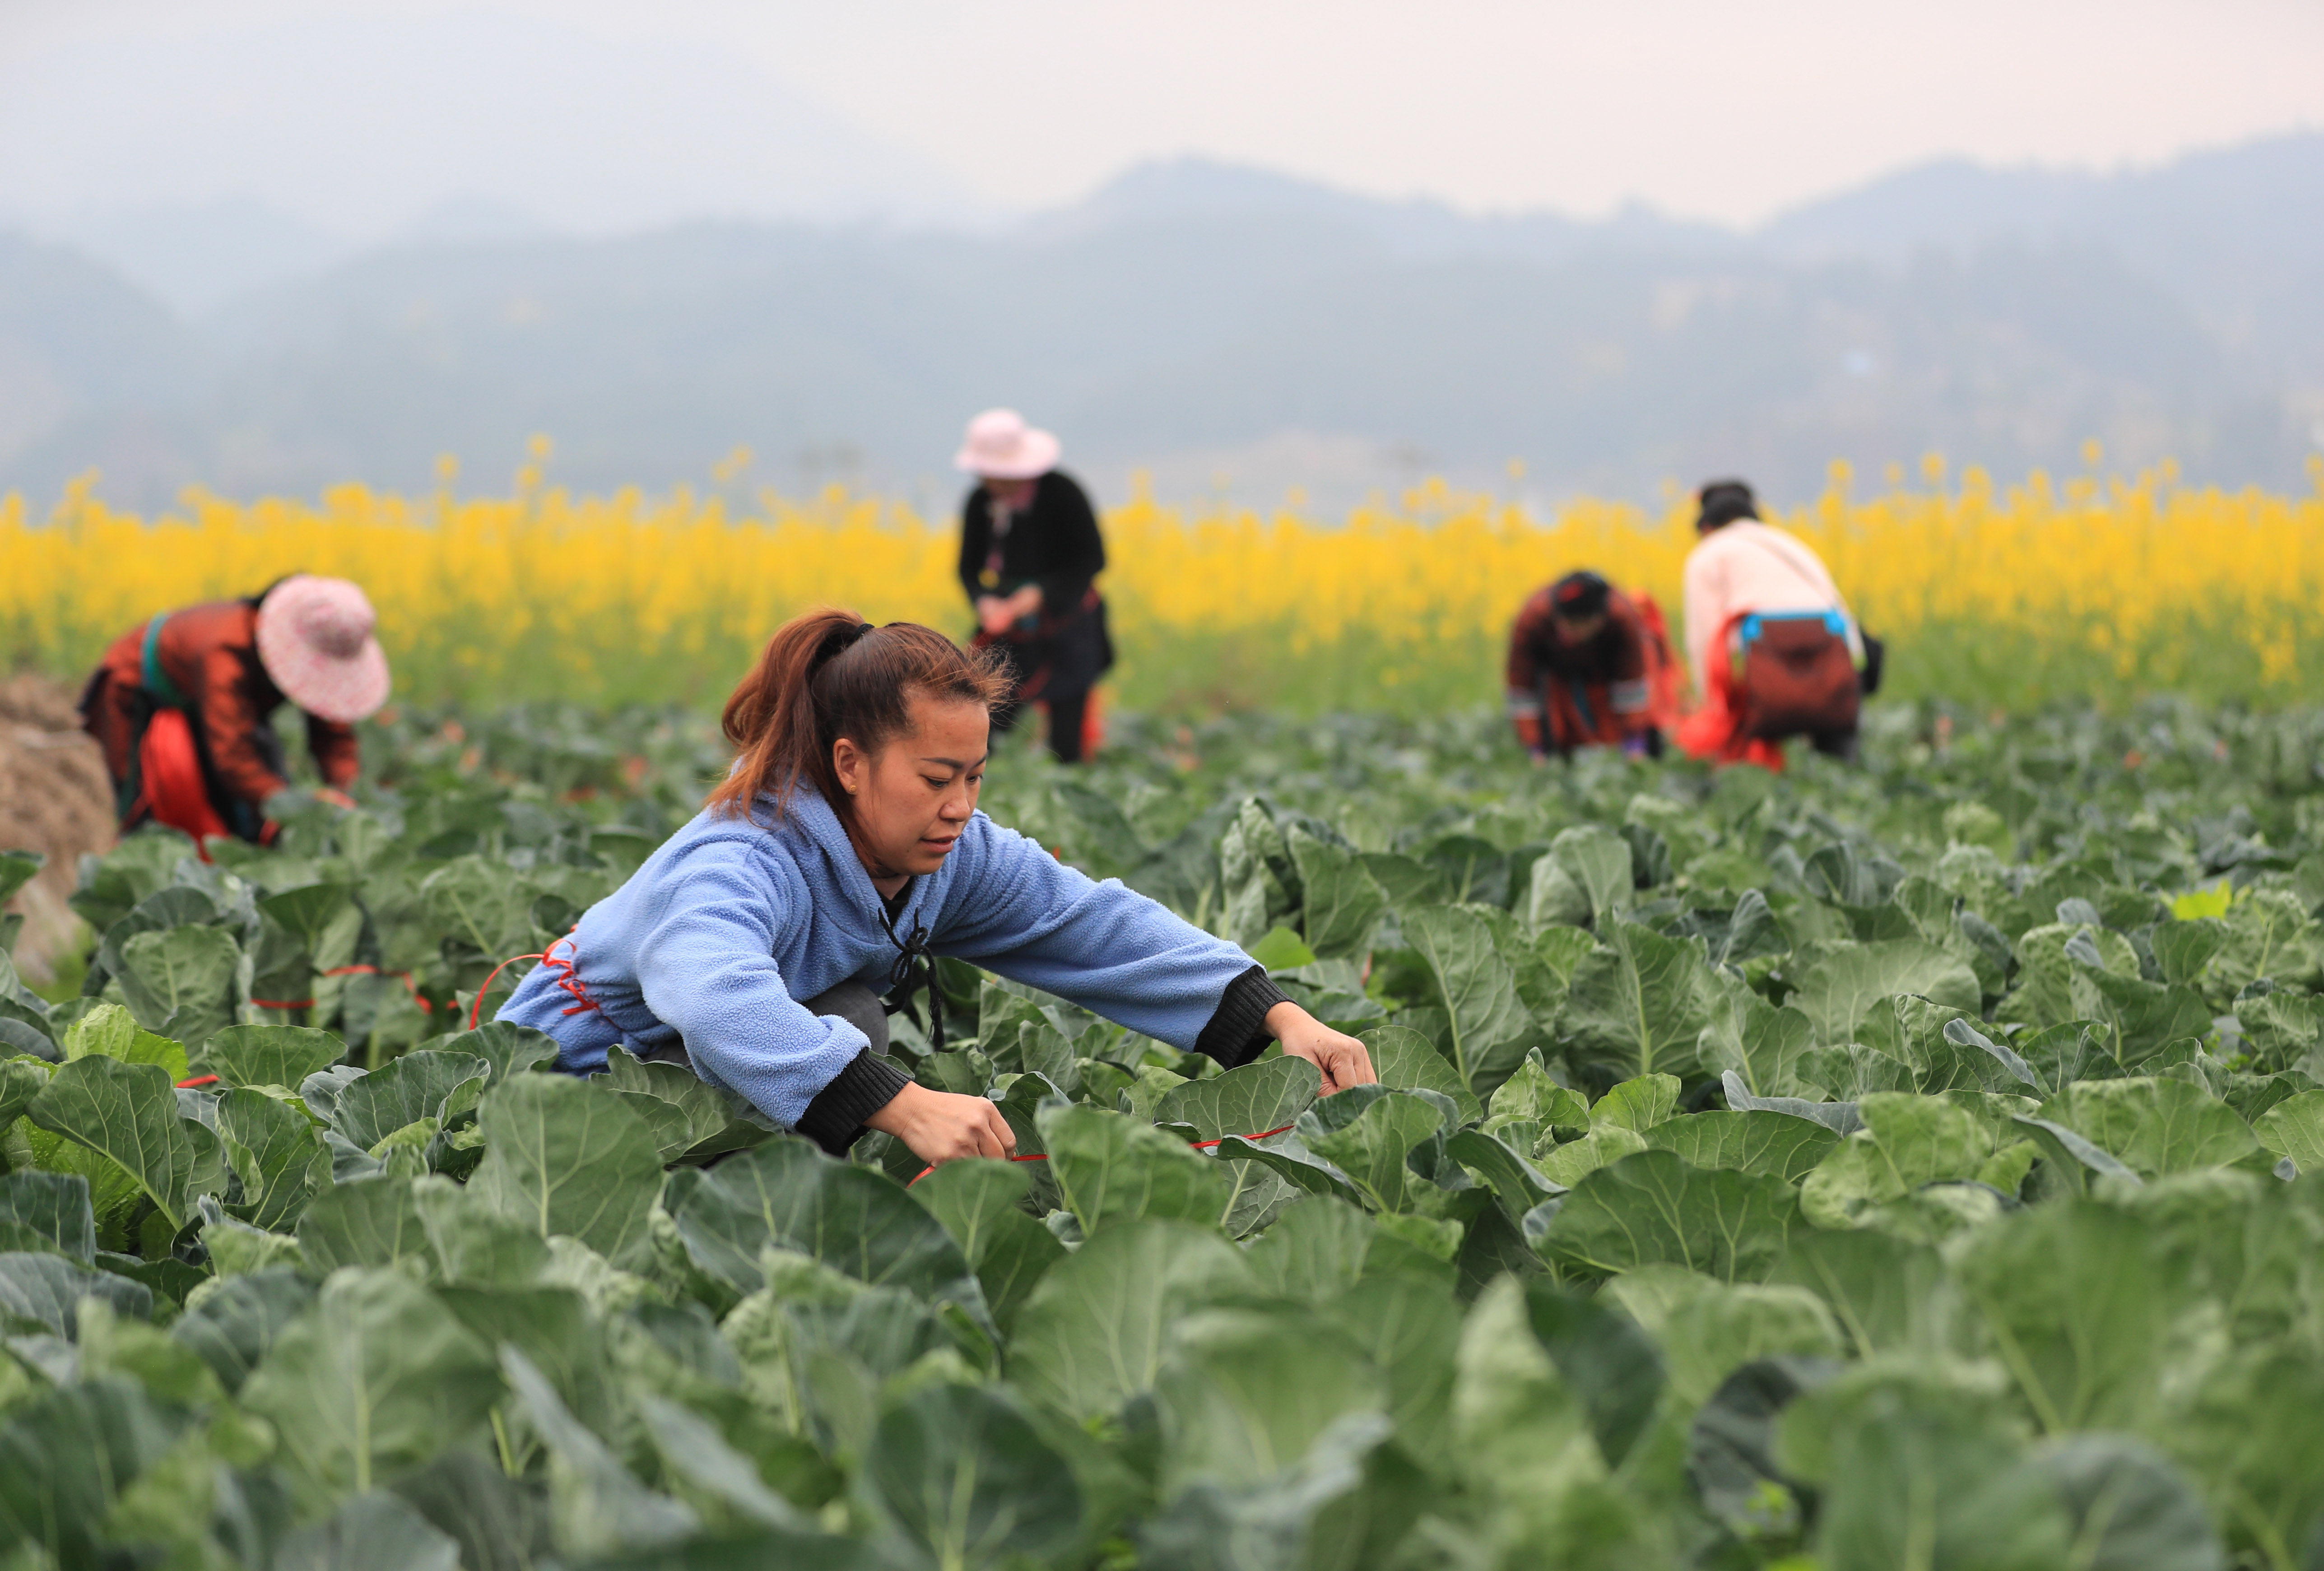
900,975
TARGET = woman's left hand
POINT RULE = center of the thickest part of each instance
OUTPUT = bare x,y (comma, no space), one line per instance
1343,1060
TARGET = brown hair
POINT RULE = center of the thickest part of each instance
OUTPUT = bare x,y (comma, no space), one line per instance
830,674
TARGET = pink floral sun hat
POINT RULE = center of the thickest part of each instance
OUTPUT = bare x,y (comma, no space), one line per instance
1001,446
316,640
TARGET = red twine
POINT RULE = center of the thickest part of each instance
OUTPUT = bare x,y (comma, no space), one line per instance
403,977
571,983
1199,1145
550,961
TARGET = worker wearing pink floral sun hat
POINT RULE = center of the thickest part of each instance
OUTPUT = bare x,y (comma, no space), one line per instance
184,705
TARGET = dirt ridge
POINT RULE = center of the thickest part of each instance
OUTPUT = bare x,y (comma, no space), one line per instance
55,798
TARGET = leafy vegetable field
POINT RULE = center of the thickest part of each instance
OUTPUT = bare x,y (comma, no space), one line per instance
1904,1167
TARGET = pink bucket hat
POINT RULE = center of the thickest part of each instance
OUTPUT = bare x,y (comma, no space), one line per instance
1001,446
315,639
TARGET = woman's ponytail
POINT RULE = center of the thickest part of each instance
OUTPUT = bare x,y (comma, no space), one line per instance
829,674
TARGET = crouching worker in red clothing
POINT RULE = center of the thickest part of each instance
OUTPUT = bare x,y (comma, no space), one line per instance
184,705
1590,667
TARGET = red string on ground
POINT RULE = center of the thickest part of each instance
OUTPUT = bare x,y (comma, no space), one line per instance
571,983
1199,1145
198,1081
403,977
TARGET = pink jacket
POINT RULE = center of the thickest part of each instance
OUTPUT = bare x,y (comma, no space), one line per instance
1750,566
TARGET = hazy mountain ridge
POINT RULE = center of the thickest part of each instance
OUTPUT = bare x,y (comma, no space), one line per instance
2237,233
331,134
1206,320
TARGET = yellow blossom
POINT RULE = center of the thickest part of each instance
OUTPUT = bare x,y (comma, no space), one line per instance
2041,589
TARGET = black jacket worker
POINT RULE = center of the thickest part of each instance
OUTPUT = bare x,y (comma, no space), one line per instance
1030,557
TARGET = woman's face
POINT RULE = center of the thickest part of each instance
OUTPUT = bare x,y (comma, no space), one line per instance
1011,493
912,798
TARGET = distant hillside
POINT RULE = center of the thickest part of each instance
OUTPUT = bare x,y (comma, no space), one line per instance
2237,234
203,160
87,362
1229,325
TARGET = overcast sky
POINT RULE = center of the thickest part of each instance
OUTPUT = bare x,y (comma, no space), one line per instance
1710,109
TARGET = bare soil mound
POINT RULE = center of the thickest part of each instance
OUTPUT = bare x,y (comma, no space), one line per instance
55,798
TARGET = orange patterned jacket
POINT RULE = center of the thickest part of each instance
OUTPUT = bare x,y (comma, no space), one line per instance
1618,684
209,654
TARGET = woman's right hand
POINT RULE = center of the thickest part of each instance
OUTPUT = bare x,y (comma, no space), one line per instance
993,615
940,1126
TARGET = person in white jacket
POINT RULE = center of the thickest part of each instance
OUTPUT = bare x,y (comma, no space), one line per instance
1774,650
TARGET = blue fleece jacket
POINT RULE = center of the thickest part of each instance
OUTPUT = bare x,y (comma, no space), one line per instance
714,941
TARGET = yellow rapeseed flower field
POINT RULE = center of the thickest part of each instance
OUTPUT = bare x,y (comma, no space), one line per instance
2093,588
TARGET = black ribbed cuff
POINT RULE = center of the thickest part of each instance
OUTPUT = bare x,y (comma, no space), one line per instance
1238,1032
834,1119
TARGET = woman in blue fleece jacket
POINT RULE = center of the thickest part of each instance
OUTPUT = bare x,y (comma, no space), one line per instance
846,841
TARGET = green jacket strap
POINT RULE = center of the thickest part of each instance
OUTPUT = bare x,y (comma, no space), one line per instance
158,684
